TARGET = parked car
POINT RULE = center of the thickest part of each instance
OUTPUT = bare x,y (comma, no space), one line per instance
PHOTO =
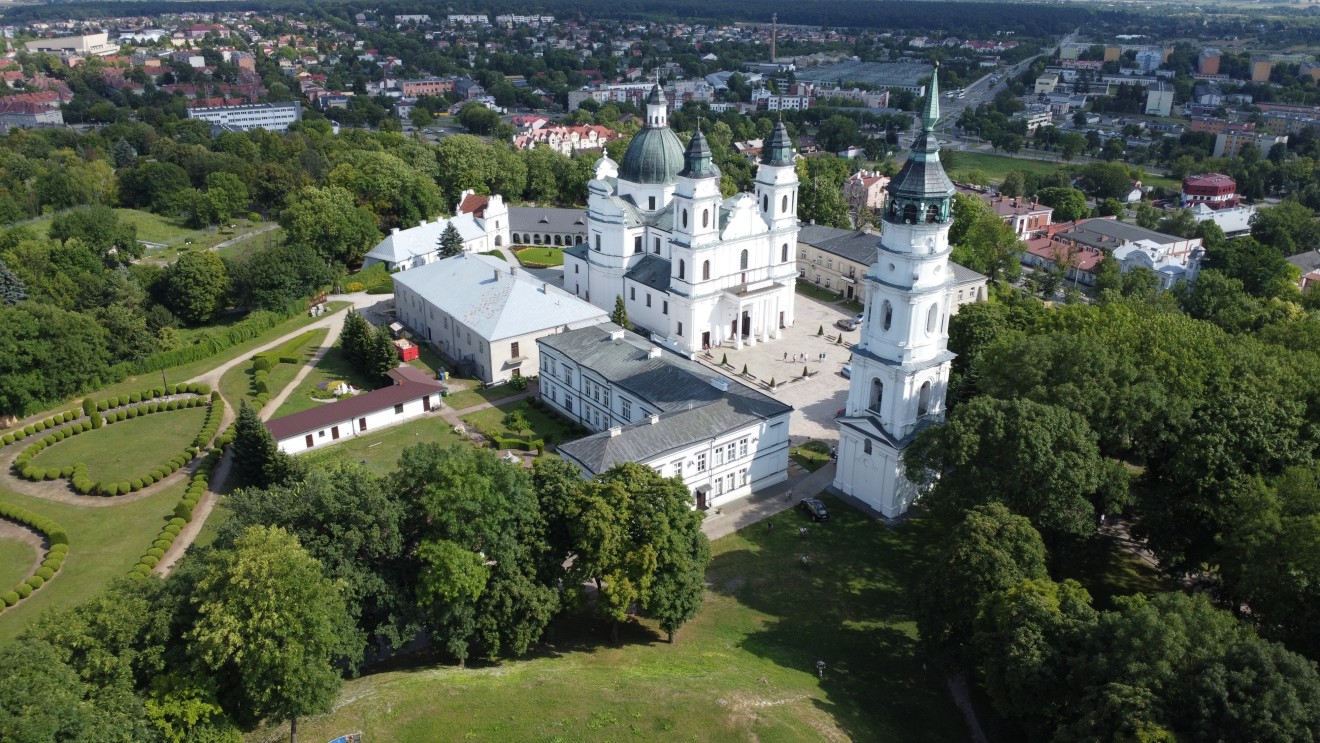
815,509
846,371
858,317
846,323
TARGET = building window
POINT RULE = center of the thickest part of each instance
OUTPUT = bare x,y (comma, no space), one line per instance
733,450
664,307
701,462
657,246
513,349
742,477
678,469
625,409
705,218
597,241
632,294
398,409
783,254
568,403
648,299
637,244
784,202
577,268
705,270
719,455
651,203
932,319
866,446
682,268
742,260
680,329
729,478
886,315
742,447
765,203
719,486
685,218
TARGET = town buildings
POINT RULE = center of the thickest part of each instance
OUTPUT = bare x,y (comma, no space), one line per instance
865,189
241,117
486,314
723,438
482,222
694,269
1215,190
900,366
1080,246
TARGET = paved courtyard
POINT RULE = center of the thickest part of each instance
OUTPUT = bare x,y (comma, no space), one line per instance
815,399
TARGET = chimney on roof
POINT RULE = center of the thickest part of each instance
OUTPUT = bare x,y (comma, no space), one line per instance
616,335
513,270
497,274
615,431
545,288
653,418
423,222
653,352
720,383
394,230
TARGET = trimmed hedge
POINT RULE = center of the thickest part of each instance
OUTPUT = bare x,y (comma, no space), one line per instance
50,565
181,515
210,344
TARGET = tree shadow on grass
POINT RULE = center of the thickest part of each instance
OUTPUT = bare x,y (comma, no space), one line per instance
850,609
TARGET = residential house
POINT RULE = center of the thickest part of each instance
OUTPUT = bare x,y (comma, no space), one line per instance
413,393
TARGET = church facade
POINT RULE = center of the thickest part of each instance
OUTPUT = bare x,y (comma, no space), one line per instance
900,366
694,269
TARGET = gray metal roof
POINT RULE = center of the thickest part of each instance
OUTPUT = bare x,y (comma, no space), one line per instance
693,409
861,248
654,156
1111,233
653,271
543,219
494,299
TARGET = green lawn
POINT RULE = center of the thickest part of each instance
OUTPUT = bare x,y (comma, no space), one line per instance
251,244
812,455
236,384
742,670
15,562
197,368
203,239
332,366
103,544
998,166
816,292
128,449
475,394
540,257
150,227
380,450
544,424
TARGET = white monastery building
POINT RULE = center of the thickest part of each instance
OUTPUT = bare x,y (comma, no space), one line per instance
723,438
413,393
695,269
482,221
900,366
274,117
486,314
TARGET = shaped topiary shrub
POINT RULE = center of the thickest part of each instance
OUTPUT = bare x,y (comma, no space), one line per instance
23,590
36,581
9,597
45,573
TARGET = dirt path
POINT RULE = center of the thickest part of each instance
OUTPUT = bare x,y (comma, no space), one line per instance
332,336
246,236
200,513
767,502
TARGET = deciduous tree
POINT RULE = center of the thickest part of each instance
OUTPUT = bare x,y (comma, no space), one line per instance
196,286
327,221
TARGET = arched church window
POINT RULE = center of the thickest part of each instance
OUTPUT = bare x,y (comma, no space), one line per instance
682,269
923,399
705,270
932,318
705,218
685,218
932,213
783,254
765,203
910,214
877,395
886,315
784,204
742,260
866,446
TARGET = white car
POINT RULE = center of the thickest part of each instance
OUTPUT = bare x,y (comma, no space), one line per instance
846,371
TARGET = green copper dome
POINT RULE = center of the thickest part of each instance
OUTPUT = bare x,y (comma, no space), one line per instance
654,156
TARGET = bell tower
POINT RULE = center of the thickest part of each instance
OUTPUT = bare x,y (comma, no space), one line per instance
900,367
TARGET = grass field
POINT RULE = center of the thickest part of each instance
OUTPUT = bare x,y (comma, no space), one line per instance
380,450
15,562
103,544
544,425
540,256
998,166
742,670
150,227
251,244
475,394
128,449
812,455
236,384
188,371
332,366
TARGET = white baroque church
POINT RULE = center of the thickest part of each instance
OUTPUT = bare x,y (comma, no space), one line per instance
900,366
695,269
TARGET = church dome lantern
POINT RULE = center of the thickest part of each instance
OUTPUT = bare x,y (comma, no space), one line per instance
922,191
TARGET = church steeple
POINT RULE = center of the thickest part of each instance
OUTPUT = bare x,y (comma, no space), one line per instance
779,150
922,192
697,160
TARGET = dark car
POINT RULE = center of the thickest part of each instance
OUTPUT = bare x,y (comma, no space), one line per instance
815,509
847,323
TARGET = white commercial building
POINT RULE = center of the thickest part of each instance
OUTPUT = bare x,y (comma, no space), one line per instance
413,393
87,45
900,366
482,222
693,268
485,314
275,117
723,438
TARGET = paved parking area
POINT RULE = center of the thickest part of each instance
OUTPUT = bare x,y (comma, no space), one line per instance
817,398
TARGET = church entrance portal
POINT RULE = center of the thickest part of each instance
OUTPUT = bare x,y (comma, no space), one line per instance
705,339
747,323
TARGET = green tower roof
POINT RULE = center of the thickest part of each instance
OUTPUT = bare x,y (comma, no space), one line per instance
655,155
922,176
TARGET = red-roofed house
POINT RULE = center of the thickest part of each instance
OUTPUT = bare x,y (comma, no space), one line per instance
865,188
413,393
567,139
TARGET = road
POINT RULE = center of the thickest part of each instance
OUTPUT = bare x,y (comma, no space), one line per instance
983,91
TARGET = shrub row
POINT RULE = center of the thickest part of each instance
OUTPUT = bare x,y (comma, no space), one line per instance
521,444
181,515
212,423
210,344
91,408
288,352
54,560
40,426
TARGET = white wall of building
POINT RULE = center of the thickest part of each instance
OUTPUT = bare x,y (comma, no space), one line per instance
360,426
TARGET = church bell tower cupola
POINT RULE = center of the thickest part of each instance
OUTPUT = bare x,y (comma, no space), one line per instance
657,108
697,197
776,181
921,192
